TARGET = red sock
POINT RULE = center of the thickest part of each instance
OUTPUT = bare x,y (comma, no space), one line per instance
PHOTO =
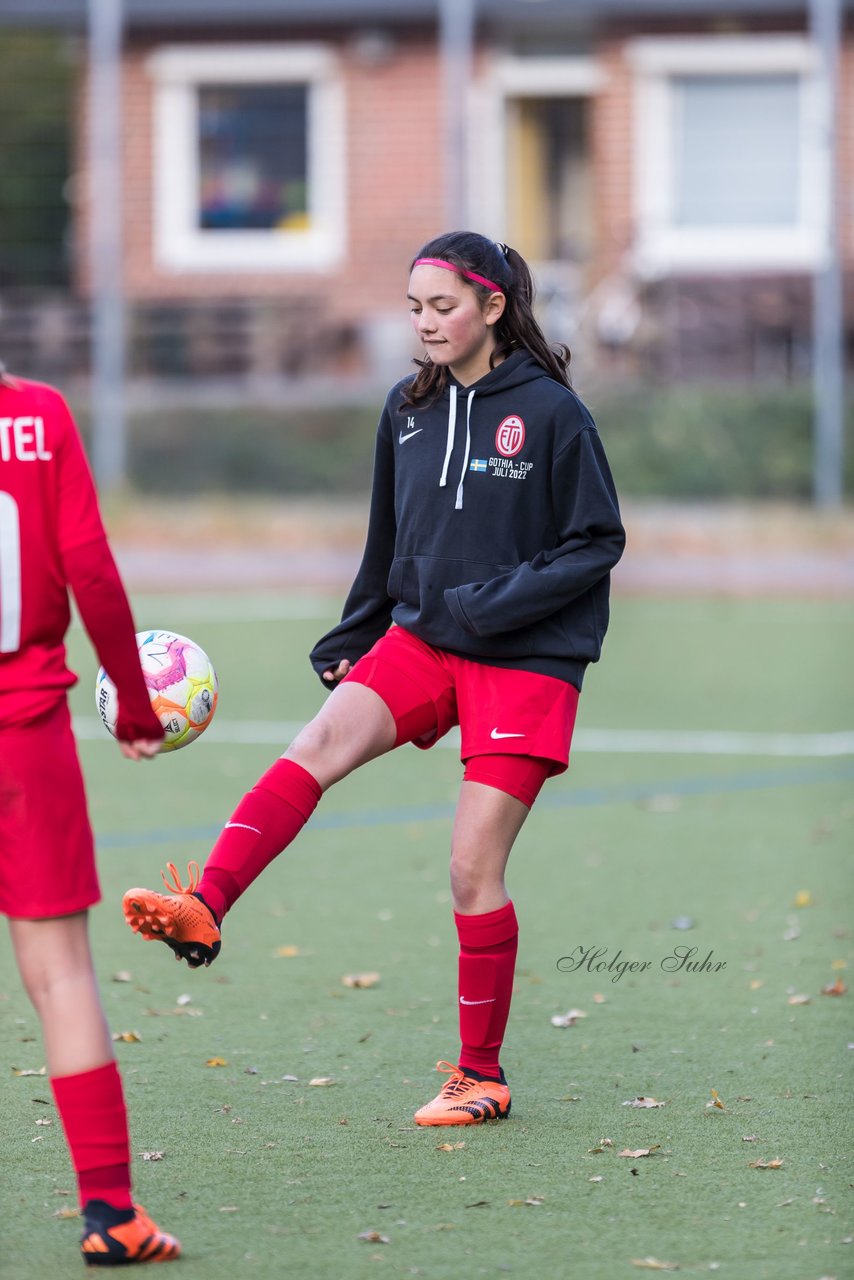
488,945
265,822
92,1108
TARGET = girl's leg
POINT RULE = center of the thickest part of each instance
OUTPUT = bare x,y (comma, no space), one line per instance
353,727
55,963
487,824
489,817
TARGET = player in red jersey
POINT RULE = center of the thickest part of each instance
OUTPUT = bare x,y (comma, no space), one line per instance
51,540
480,601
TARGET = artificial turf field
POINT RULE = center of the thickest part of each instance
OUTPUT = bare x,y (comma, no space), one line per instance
748,840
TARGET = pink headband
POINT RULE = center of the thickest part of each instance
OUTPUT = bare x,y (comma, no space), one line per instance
469,275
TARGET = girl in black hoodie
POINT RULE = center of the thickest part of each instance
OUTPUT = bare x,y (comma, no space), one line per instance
481,598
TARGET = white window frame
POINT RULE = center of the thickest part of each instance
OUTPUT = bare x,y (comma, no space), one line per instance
661,246
513,77
180,245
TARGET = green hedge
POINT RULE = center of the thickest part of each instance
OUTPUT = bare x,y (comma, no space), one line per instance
718,442
676,443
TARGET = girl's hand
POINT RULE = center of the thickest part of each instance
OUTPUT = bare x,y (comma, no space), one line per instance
139,749
333,675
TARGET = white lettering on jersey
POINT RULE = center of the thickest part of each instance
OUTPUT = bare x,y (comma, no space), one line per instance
10,575
23,439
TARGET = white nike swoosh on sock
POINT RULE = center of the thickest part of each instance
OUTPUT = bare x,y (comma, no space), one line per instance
464,1001
244,825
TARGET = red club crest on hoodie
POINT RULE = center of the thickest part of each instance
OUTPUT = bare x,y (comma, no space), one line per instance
510,436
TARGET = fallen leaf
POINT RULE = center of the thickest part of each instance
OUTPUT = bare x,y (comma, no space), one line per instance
837,988
599,998
753,1137
756,984
798,999
598,1178
765,1164
286,953
534,1201
320,1082
568,1019
128,1037
450,1146
373,1237
716,1101
216,1062
29,1071
803,898
123,975
150,1155
182,1000
44,1120
642,1102
360,980
641,1151
67,1212
653,1264
229,1208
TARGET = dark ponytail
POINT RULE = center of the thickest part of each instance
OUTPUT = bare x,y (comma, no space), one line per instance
517,330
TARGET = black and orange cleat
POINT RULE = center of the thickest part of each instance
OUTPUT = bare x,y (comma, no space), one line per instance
119,1237
182,919
466,1098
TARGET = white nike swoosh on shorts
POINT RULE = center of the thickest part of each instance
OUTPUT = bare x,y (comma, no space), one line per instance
464,1001
401,439
496,734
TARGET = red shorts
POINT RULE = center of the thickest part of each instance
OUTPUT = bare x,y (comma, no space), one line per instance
47,854
500,710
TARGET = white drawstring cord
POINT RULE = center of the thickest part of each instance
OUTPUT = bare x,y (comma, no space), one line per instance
449,448
459,502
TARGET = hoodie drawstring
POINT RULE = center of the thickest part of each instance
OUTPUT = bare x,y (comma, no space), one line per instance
459,502
449,447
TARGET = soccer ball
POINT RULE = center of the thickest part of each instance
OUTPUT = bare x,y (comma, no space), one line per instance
181,683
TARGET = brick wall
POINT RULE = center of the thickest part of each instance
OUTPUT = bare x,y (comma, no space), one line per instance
394,187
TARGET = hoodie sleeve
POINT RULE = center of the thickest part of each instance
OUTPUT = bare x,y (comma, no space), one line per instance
590,542
367,609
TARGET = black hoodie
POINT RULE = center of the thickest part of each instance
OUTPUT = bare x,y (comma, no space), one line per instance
493,527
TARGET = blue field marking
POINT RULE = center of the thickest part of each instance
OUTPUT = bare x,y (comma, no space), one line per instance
631,793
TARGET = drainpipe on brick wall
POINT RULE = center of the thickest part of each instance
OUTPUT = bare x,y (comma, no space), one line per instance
456,44
828,322
109,447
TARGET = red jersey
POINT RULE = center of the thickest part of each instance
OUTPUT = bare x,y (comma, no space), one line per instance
52,538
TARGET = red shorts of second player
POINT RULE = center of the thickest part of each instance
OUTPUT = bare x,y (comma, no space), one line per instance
500,710
47,855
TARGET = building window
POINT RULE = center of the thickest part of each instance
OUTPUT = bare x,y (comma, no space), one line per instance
249,158
727,170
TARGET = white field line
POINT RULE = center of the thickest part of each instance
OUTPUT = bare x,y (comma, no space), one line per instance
698,742
259,606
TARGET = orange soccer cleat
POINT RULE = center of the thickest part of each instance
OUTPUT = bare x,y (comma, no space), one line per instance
117,1237
182,919
466,1098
